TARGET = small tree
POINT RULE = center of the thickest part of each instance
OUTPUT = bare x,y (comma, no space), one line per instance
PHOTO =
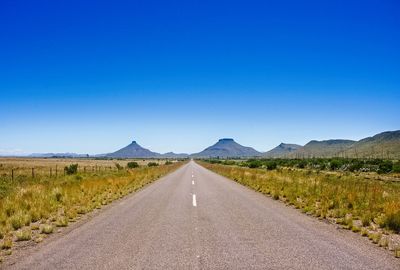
132,165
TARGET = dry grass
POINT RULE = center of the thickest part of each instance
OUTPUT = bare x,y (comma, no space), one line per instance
33,206
44,167
341,198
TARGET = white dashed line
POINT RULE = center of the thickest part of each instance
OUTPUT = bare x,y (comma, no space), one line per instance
194,200
192,182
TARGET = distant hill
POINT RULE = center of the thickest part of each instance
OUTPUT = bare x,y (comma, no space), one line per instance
134,150
174,155
282,150
227,148
382,145
327,148
58,155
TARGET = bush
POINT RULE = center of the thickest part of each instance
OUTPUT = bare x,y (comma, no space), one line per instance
272,165
335,164
71,169
385,167
152,164
302,164
132,165
396,168
254,164
168,162
355,166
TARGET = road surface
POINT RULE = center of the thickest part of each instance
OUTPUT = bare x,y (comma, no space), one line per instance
196,219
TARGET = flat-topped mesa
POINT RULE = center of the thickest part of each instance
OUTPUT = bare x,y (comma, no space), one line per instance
226,148
226,140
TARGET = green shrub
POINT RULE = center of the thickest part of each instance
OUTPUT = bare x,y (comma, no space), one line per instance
71,169
385,167
335,164
168,162
152,164
271,165
302,164
253,163
396,168
132,165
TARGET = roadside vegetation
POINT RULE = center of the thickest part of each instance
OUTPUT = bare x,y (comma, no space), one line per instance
380,166
366,206
33,207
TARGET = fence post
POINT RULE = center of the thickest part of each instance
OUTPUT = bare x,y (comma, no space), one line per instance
12,174
56,171
51,171
33,172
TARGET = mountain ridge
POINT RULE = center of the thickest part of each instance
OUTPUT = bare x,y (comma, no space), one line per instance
382,145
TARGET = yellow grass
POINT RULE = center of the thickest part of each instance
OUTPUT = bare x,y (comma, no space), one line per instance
31,206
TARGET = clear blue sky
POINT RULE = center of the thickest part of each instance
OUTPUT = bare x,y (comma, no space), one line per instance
177,75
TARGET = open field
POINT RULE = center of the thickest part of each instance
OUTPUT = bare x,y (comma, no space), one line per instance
363,205
43,166
32,207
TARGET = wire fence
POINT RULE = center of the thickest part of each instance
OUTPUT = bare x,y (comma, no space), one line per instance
50,172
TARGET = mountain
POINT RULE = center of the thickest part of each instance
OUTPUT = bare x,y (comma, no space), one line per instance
282,150
58,155
382,145
327,148
134,150
227,148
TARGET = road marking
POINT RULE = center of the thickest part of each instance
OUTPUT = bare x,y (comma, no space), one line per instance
194,200
192,176
192,182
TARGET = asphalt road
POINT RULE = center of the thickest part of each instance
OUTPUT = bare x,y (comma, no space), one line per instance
196,219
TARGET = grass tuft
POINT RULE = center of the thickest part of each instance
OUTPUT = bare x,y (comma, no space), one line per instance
392,221
24,235
6,243
46,229
62,221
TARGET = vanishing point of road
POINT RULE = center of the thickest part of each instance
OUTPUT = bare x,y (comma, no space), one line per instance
196,219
